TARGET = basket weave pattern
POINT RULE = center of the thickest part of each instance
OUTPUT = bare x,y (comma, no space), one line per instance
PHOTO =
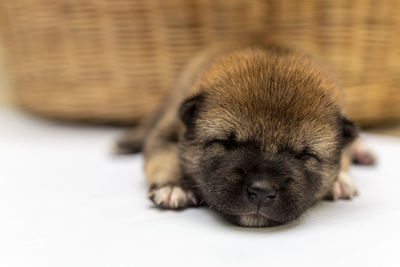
113,61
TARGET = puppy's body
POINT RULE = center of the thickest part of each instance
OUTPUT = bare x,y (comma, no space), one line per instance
254,130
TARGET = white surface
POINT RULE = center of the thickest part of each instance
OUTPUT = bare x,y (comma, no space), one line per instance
64,201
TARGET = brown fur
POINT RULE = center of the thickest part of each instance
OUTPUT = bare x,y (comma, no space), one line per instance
249,103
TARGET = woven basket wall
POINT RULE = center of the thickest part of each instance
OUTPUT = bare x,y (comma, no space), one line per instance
113,60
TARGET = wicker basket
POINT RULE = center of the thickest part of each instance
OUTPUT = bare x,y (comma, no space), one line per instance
113,61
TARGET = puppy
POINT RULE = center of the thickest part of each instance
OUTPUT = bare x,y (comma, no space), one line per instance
254,130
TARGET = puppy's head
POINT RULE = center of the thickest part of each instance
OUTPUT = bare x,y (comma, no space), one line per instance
264,135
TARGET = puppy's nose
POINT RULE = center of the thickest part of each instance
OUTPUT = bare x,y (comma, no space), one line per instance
260,192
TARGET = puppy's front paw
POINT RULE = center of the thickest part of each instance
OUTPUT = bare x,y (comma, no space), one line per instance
172,197
343,188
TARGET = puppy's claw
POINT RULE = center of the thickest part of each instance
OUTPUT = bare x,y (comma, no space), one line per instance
343,188
172,197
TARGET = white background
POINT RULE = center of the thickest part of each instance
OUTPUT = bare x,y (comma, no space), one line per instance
65,201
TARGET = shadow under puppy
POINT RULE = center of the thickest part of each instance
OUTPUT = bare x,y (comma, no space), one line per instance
254,130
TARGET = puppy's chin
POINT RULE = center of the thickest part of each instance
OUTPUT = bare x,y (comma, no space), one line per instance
251,220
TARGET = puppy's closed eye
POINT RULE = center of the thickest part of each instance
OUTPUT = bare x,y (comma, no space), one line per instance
226,143
306,155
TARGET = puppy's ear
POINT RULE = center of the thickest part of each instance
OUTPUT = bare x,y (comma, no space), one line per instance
349,131
189,110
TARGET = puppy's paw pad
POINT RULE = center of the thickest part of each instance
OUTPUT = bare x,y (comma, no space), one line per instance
362,154
124,148
365,157
344,187
172,197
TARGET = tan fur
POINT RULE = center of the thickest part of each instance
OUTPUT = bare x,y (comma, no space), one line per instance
303,103
230,59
